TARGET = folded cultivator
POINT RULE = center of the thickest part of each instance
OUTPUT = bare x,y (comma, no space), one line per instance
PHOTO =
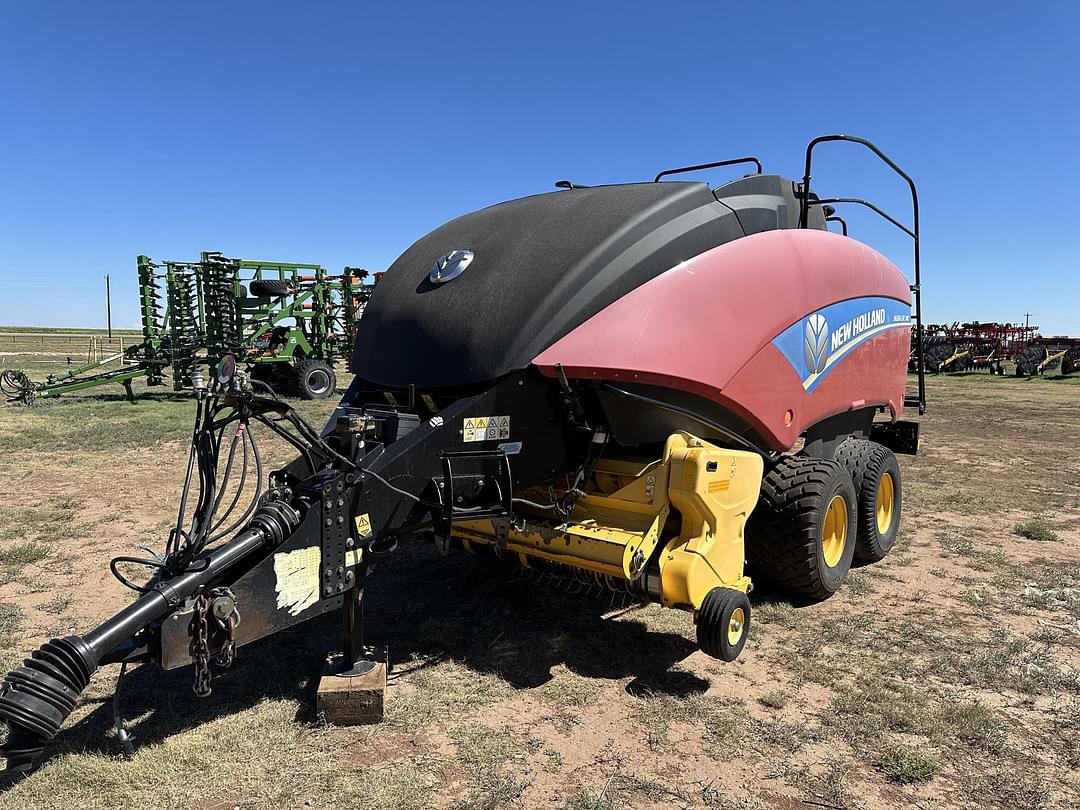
289,323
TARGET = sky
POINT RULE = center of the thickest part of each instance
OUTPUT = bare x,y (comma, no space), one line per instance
341,133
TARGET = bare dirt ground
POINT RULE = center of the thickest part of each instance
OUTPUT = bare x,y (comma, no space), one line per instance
946,676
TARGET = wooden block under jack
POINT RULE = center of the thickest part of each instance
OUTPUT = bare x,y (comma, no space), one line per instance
352,699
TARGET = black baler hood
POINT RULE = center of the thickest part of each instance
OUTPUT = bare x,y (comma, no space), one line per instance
542,265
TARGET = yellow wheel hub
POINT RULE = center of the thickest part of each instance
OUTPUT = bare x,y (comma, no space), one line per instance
834,533
885,503
736,626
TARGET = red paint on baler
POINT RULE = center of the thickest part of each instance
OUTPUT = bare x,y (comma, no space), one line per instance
706,326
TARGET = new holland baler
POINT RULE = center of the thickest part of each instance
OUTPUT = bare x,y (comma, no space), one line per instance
658,388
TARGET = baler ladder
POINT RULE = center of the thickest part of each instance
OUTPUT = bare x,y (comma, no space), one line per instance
916,288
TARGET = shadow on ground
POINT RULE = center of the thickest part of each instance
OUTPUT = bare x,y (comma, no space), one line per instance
424,608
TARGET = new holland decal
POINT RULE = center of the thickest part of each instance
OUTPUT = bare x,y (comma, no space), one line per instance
816,343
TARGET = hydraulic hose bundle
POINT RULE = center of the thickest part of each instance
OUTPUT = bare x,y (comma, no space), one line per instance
37,697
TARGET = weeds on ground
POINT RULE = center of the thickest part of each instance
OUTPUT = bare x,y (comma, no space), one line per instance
782,614
442,690
906,765
857,583
955,543
1005,663
1012,789
774,700
1036,530
23,554
56,606
11,617
718,720
585,799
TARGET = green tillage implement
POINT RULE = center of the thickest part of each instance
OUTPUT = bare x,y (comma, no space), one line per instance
289,322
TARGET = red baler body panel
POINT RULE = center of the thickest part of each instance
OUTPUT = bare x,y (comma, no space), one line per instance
784,328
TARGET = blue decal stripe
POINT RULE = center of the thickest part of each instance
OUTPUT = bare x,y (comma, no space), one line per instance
812,380
836,327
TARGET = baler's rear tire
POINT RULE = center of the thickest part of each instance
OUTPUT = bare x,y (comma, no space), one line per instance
801,534
876,476
315,379
723,623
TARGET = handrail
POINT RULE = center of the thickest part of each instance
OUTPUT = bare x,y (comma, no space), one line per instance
913,232
701,166
868,204
841,220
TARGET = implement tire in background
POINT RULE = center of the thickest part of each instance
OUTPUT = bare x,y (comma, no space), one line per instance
801,534
315,379
10,383
1070,363
262,287
876,476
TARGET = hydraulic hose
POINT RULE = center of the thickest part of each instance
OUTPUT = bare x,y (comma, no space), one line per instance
37,697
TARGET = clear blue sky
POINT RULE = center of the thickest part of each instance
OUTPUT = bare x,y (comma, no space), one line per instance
339,133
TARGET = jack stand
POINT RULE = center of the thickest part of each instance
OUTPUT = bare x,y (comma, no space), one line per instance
353,682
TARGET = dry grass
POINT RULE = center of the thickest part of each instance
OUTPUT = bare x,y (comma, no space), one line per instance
945,676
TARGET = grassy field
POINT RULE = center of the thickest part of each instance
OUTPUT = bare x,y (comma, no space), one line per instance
946,676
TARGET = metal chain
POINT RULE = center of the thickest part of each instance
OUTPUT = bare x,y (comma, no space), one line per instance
200,646
199,630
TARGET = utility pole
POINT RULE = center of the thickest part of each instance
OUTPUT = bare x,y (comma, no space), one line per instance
108,305
1027,319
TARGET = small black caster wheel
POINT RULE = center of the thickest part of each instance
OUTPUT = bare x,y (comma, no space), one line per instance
723,623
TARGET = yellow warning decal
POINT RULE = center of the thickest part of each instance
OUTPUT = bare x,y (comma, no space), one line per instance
429,402
485,428
363,525
353,556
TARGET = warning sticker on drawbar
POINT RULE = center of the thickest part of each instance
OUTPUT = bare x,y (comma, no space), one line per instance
485,428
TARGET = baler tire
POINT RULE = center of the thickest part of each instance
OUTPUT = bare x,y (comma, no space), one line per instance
263,287
315,379
869,463
785,533
723,623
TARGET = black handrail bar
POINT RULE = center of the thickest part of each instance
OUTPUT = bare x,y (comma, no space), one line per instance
700,166
868,204
841,220
916,288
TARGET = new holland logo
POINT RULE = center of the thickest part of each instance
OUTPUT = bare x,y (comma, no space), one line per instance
450,266
815,343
